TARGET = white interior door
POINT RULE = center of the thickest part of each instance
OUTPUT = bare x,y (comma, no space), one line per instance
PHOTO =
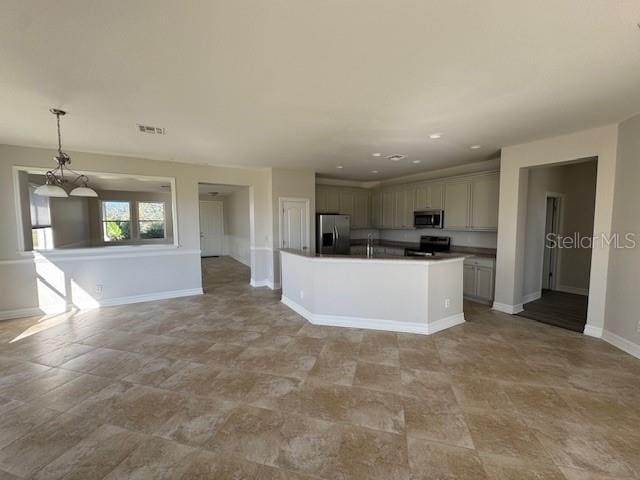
294,224
211,229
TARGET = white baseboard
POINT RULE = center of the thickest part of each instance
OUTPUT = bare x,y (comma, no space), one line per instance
149,297
574,290
32,312
446,322
373,323
264,283
532,297
475,299
622,343
57,309
506,308
592,331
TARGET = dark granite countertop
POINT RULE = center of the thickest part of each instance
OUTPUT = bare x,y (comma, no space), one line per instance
455,249
403,259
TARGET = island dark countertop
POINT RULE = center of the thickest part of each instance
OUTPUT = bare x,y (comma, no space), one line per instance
399,258
455,249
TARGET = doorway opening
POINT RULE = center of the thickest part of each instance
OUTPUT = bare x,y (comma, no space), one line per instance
559,237
224,216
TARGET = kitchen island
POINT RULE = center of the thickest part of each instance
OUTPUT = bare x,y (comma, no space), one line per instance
399,294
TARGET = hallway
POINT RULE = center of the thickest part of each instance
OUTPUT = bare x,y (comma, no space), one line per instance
560,309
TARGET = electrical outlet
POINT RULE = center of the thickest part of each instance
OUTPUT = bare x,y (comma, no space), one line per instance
301,293
98,289
447,303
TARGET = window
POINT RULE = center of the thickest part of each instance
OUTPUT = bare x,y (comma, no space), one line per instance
116,221
151,220
41,231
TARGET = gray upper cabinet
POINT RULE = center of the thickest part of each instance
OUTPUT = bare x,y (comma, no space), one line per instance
410,206
428,196
423,201
376,209
361,217
484,195
469,203
472,204
333,201
456,205
400,206
346,203
387,209
436,191
321,199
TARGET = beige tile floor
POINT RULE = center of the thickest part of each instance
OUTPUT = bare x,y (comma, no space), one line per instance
233,384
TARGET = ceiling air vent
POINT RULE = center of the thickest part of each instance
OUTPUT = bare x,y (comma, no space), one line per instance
151,130
396,157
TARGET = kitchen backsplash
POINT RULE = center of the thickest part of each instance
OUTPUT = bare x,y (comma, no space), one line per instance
360,233
462,239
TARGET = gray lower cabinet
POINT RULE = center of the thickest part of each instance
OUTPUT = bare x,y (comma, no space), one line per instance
478,279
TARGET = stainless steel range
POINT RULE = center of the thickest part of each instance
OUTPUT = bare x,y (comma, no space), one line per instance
429,246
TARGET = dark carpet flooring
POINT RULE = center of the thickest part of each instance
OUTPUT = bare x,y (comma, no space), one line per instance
565,310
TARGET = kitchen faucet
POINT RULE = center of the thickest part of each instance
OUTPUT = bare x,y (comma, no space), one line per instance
369,245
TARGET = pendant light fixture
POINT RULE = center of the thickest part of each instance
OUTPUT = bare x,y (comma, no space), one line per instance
56,184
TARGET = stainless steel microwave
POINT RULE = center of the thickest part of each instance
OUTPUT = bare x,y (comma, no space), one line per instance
428,219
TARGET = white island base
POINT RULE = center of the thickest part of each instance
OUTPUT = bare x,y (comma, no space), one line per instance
398,295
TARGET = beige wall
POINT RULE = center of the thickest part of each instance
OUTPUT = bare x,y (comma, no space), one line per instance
577,217
177,270
70,222
622,294
599,142
293,184
236,225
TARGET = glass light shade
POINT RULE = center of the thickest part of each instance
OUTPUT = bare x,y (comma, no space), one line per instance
50,191
83,192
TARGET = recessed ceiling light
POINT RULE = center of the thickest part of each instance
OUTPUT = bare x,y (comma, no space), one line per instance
339,167
415,161
374,171
376,154
475,147
435,136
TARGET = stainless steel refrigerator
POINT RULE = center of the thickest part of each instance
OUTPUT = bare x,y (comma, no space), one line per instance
333,234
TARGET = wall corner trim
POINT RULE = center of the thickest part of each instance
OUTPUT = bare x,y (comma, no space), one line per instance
592,331
532,297
264,283
59,309
506,308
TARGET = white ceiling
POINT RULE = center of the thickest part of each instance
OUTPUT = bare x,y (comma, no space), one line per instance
102,181
315,83
219,190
